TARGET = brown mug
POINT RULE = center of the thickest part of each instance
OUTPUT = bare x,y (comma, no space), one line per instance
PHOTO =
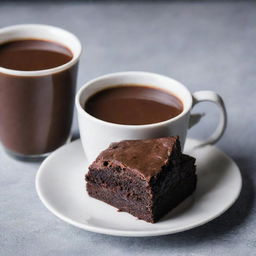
36,107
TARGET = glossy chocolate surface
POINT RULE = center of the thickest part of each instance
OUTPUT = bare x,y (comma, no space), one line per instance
31,55
133,105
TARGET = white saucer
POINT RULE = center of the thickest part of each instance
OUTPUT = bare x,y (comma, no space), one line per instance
61,187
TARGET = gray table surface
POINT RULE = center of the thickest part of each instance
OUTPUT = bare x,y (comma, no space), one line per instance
206,45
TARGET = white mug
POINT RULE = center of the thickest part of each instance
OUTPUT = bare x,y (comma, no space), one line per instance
97,135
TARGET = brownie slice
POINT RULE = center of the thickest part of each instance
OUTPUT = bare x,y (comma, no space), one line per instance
146,178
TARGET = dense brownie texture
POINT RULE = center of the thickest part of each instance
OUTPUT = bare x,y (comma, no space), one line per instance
146,178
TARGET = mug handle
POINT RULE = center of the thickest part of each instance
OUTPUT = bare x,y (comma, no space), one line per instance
213,97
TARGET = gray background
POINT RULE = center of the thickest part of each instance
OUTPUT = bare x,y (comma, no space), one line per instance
206,45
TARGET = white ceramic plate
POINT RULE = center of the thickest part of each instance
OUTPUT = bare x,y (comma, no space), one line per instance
61,187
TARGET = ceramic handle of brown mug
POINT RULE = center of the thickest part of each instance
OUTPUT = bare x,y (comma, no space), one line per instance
213,97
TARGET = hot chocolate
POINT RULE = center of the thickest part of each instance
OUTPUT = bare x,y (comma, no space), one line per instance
33,54
133,105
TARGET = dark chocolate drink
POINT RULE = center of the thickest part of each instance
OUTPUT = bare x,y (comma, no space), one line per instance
35,111
31,55
133,105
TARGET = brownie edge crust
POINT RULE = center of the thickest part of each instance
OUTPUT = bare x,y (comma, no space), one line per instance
146,178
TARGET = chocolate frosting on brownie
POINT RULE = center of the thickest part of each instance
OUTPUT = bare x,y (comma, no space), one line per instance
144,157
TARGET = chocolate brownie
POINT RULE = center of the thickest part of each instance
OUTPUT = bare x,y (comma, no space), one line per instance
146,178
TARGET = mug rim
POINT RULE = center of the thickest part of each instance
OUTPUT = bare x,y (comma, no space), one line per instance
140,126
75,53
